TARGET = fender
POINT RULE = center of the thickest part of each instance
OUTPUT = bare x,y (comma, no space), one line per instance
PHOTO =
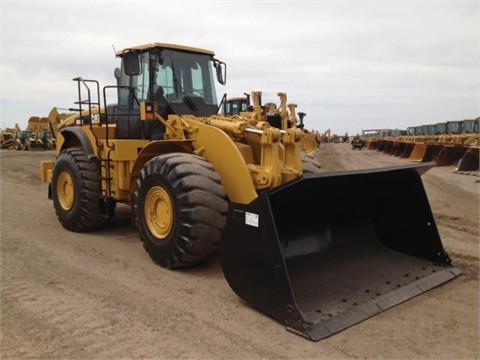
74,135
156,148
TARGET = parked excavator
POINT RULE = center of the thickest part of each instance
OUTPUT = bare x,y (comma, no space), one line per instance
200,183
326,136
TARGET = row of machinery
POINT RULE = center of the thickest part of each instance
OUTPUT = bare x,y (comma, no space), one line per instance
37,136
448,143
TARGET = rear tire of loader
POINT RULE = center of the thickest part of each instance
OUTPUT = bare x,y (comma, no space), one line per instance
310,164
179,208
76,191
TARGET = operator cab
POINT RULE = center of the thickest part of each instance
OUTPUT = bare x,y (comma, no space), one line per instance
178,79
235,106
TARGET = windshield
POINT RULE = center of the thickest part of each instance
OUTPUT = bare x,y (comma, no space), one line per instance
180,76
185,74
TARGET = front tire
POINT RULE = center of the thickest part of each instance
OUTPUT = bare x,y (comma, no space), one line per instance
76,191
180,209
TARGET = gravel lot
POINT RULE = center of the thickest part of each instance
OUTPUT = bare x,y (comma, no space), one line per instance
99,296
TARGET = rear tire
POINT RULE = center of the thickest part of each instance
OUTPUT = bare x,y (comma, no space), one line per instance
180,209
76,191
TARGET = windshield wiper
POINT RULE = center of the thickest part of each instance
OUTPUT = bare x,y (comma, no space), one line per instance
185,96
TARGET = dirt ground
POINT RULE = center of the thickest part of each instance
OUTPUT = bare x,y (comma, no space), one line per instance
99,295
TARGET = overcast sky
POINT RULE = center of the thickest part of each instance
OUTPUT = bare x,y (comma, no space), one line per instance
349,65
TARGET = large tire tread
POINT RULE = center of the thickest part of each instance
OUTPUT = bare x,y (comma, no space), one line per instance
85,214
200,208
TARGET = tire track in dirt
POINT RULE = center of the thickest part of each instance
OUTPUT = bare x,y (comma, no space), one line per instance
457,223
98,295
68,317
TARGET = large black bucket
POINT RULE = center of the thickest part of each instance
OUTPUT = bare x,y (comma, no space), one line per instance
470,161
327,251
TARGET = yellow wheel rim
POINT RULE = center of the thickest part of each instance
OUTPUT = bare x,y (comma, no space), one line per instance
159,212
65,191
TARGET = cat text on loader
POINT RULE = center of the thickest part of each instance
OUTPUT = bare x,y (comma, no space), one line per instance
200,183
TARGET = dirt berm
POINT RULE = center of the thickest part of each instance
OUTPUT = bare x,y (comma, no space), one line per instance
99,295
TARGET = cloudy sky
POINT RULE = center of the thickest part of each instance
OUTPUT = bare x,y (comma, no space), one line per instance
349,65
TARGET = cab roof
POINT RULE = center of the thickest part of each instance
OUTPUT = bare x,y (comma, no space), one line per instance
147,47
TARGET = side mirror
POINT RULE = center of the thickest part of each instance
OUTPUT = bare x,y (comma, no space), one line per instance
117,73
221,69
131,63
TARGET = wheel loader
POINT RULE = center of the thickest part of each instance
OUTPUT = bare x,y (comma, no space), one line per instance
40,136
199,183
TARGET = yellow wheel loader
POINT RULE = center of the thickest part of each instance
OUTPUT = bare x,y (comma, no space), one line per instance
200,183
36,134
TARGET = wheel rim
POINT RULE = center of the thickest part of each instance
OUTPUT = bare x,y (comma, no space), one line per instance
65,190
159,212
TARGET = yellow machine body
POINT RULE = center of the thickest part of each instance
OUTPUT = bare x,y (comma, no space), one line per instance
199,183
